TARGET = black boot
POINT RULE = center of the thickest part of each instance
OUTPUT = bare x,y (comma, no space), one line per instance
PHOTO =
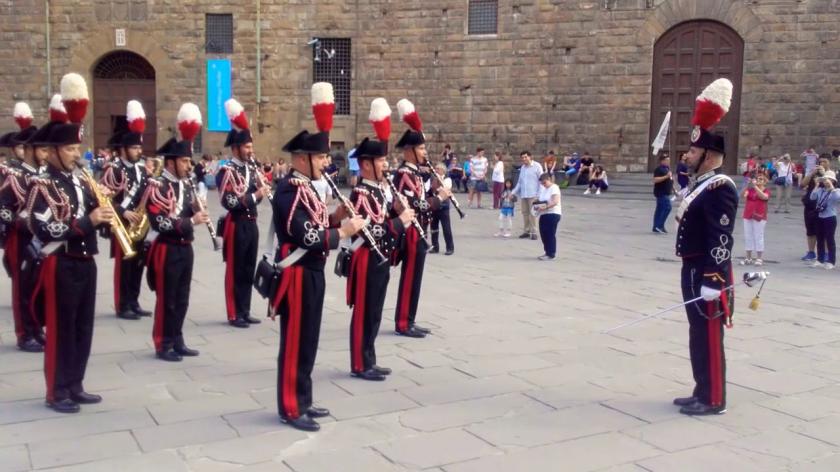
30,345
685,401
421,329
64,406
701,409
411,333
167,354
303,423
239,323
139,311
251,319
85,398
317,412
127,314
381,370
369,374
182,349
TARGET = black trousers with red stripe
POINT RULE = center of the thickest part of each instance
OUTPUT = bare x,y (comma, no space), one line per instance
300,329
705,338
173,275
413,257
68,288
24,274
367,286
128,276
242,240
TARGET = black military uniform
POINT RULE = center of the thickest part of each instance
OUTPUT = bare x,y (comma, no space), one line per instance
704,242
170,205
412,184
18,258
238,184
302,224
59,208
127,180
368,281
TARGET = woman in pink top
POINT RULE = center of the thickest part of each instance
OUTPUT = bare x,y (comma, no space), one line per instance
755,218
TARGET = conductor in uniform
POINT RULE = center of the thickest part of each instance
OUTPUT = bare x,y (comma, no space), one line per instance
305,233
368,280
704,242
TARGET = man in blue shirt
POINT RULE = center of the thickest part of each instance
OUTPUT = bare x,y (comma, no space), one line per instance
527,189
353,164
662,186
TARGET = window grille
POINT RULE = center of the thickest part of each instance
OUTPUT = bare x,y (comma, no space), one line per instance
218,33
331,62
483,17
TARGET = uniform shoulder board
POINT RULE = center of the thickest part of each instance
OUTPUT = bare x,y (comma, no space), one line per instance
361,190
156,182
718,184
41,179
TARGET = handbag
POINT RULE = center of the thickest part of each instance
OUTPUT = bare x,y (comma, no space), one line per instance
781,181
266,278
481,186
342,262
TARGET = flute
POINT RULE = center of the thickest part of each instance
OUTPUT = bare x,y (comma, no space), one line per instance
216,245
451,197
404,203
352,211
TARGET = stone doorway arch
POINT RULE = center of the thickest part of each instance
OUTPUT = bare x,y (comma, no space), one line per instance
687,58
120,76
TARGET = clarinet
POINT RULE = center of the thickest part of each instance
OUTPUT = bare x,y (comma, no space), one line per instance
352,211
404,203
200,204
255,168
451,197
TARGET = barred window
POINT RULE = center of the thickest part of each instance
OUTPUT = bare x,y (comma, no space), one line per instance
218,31
331,63
484,17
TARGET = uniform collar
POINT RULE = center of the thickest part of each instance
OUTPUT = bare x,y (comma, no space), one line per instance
236,161
170,176
297,175
708,174
371,183
28,167
410,165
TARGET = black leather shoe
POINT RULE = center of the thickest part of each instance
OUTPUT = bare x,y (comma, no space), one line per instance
140,312
381,370
369,374
31,345
84,398
252,320
184,351
169,355
128,315
534,237
449,252
684,401
64,406
239,323
411,333
434,250
303,423
701,409
421,329
524,235
317,412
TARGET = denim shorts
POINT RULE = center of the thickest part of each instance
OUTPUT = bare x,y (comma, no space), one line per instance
507,212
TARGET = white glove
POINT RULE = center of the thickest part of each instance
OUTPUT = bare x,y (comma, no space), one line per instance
709,294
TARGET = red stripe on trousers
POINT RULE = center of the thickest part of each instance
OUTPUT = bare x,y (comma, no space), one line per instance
11,253
408,282
159,259
359,269
291,289
230,299
118,258
715,367
47,281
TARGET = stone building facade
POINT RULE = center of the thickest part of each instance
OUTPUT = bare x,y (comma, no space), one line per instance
557,74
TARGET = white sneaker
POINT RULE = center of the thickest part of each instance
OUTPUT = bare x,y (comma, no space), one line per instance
828,266
497,235
587,192
758,262
598,192
507,235
816,264
746,262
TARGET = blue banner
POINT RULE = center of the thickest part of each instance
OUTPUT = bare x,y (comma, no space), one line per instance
218,91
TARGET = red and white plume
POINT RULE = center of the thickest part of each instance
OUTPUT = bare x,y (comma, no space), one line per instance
236,114
189,121
380,118
323,105
57,111
712,104
23,115
74,95
409,115
136,117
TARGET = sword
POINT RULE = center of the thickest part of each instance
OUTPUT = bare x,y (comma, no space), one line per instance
749,279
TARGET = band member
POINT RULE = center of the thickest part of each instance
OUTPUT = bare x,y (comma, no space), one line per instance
368,281
306,233
240,192
127,178
63,214
417,191
171,206
17,258
704,241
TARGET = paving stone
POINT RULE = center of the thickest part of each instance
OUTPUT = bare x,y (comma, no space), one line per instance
827,464
182,411
466,389
373,404
435,449
59,452
825,429
578,455
807,406
681,433
15,458
360,460
449,415
248,450
714,457
781,443
160,461
181,434
74,426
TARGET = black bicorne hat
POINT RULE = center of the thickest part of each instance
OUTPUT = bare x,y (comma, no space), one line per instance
411,138
41,138
305,142
705,139
24,135
238,137
173,149
131,139
6,140
370,149
65,134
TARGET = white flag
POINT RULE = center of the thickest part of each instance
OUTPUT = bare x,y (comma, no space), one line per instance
659,142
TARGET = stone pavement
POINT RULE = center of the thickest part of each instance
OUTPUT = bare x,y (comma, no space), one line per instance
517,375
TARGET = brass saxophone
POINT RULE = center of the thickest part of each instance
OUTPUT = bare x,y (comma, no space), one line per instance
137,232
117,227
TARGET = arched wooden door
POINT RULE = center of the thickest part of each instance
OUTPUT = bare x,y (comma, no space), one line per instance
687,58
118,77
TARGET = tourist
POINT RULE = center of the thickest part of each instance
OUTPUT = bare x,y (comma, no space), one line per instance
571,166
550,210
809,184
755,219
526,190
784,183
827,197
478,174
353,167
662,186
598,182
498,179
682,176
586,167
440,217
507,203
809,157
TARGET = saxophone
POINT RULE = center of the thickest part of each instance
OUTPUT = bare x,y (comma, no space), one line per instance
117,227
137,232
